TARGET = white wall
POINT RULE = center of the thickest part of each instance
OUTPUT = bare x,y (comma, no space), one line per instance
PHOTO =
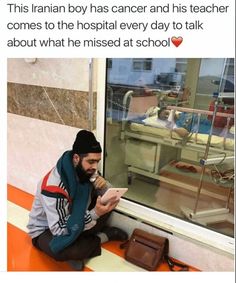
33,148
59,73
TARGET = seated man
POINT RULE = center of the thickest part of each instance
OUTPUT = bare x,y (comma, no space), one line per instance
68,220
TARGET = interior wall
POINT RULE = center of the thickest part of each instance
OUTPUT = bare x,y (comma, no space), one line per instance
36,139
33,148
60,73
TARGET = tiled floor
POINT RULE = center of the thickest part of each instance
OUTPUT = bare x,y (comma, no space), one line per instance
22,256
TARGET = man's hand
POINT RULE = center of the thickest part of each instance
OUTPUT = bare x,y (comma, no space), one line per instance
101,209
100,183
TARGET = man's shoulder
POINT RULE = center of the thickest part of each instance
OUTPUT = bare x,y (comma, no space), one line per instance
52,186
52,178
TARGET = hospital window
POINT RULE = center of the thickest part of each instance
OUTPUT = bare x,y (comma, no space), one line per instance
181,65
180,163
142,64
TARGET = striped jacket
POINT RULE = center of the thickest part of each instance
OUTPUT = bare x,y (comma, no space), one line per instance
51,207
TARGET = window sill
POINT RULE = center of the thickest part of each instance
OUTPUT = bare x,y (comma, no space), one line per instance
186,230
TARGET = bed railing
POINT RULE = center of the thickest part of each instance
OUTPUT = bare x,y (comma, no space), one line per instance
205,112
200,112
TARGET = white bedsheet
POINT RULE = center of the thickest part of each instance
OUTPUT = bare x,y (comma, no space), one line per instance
154,121
216,141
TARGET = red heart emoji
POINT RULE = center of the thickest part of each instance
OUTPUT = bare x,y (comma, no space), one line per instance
176,40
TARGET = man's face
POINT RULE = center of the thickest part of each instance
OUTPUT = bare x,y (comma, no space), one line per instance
86,166
90,162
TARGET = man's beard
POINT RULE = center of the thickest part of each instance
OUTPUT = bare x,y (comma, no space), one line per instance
82,174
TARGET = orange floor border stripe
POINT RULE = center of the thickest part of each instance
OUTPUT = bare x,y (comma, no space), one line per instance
25,257
19,197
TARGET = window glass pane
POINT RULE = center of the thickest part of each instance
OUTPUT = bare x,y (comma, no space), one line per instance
147,65
137,65
215,75
142,64
162,143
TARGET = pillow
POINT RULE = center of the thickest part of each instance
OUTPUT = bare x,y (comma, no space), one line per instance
155,122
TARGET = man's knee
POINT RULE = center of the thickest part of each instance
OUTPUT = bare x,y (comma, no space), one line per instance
80,250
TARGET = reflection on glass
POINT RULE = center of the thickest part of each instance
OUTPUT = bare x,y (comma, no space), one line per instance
170,136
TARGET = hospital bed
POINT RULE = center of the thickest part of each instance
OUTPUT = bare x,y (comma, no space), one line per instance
151,147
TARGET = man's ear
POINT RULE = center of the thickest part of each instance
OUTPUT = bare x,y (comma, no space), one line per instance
76,159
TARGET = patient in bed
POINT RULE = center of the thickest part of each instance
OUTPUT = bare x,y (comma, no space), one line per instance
167,120
184,123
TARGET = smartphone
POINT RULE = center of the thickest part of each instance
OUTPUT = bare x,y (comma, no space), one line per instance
115,193
94,177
